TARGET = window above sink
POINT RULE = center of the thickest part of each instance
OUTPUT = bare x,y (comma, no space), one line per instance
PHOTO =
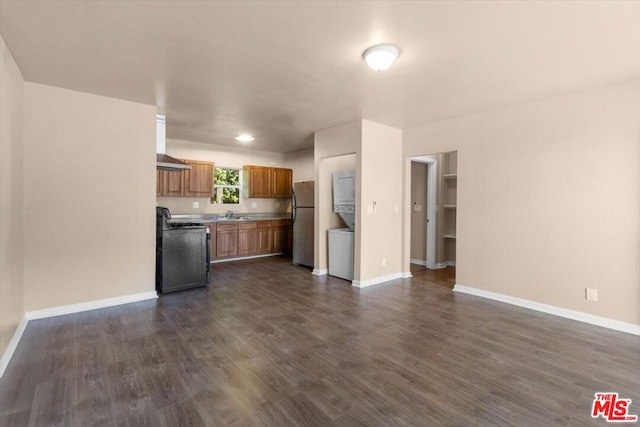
226,187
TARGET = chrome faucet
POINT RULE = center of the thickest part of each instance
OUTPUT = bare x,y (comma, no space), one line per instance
229,215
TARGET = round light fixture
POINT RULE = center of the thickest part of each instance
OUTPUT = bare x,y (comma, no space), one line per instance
244,137
380,57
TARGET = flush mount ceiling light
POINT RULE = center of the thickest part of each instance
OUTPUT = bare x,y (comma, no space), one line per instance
381,57
244,137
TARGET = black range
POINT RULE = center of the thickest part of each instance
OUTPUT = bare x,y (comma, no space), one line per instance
182,254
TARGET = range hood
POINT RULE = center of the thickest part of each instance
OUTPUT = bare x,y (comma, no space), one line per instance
163,161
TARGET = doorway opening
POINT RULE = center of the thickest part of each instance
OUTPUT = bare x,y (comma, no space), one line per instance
433,207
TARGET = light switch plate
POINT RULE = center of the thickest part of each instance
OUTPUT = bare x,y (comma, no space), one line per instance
254,205
195,205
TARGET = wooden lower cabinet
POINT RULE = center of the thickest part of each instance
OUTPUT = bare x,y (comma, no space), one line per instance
278,240
265,237
246,238
288,240
282,236
227,240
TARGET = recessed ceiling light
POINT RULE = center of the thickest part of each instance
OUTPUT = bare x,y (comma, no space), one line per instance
381,57
244,137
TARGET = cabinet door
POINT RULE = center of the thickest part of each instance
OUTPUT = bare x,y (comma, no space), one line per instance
288,240
159,178
247,238
265,240
257,182
226,239
281,184
278,240
227,243
214,243
198,181
172,183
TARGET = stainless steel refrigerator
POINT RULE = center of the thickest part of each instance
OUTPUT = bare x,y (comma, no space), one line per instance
302,213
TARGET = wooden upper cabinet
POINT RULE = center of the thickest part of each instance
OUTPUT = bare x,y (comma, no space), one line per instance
198,181
159,178
281,183
194,182
265,182
172,183
257,182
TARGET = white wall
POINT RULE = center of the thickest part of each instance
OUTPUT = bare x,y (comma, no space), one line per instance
301,162
89,204
380,202
548,198
223,157
332,142
377,151
11,203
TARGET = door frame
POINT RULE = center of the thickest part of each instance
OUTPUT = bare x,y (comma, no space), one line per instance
432,194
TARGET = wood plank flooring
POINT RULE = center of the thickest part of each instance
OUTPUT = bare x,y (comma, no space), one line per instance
443,276
268,344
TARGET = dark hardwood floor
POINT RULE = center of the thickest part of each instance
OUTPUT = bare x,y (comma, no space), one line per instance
443,276
268,344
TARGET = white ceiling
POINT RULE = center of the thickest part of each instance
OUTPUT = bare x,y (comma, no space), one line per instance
281,70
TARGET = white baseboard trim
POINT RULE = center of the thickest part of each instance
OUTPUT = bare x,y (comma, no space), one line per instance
376,280
604,322
449,264
243,257
65,309
436,266
320,271
89,305
418,261
13,344
407,275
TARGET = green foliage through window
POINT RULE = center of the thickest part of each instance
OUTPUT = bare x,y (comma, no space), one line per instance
226,187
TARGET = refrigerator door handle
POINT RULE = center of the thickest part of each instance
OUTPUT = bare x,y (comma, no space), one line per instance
294,208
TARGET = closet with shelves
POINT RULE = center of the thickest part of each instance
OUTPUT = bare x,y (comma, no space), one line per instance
450,207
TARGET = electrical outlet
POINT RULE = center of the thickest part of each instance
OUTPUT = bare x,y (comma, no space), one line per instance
195,205
277,204
591,294
254,205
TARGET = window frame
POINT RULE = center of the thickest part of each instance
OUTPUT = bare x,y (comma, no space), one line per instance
215,185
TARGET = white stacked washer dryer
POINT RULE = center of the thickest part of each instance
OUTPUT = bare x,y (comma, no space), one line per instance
341,240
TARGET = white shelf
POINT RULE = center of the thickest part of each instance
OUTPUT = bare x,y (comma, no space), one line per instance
449,236
450,175
449,206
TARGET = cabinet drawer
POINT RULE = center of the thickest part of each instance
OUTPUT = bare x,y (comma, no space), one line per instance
227,226
264,224
280,222
247,225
